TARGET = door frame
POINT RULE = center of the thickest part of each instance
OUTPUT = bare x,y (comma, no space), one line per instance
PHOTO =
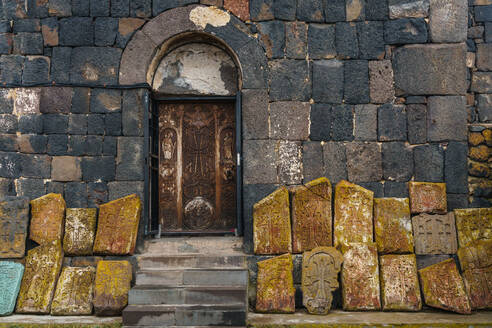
151,115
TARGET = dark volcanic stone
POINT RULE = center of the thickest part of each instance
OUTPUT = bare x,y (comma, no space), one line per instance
95,65
272,36
405,30
397,161
55,123
356,81
310,10
11,69
320,122
483,13
99,7
141,8
346,40
371,40
417,123
455,168
395,189
342,123
105,30
36,70
335,11
98,168
31,124
120,8
60,64
446,118
321,41
76,194
296,40
288,80
285,9
328,81
76,31
364,162
392,123
312,160
28,44
429,163
376,10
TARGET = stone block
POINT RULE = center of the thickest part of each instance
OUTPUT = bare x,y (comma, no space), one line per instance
335,159
93,147
95,65
289,80
11,68
126,29
111,287
112,124
120,8
405,31
141,8
483,13
346,40
488,32
99,8
55,100
35,166
259,162
260,10
296,40
481,82
42,268
36,70
400,290
47,219
328,81
320,264
98,168
26,25
392,226
408,8
381,81
76,194
255,114
271,224
477,284
60,64
8,142
455,167
275,286
448,21
80,8
321,41
30,188
8,123
443,288
312,160
95,124
55,123
272,36
76,31
80,100
371,40
376,10
473,224
353,214
310,11
392,123
417,123
5,43
118,226
365,122
10,281
105,31
6,101
429,163
446,118
311,215
477,255
289,162
27,44
14,217
240,8
427,197
130,159
60,8
289,120
118,189
105,101
32,144
77,124
10,166
421,69
342,118
109,146
397,161
434,234
355,10
73,295
364,162
284,9
133,106
97,193
484,57
360,277
356,82
80,229
484,107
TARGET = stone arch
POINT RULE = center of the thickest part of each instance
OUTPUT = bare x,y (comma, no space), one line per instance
148,46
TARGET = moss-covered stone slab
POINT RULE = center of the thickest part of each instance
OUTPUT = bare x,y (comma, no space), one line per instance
393,226
400,290
443,287
353,214
111,287
73,295
275,292
43,266
427,197
10,281
478,285
477,255
80,229
47,219
360,277
434,234
271,224
118,226
320,268
311,215
473,224
14,217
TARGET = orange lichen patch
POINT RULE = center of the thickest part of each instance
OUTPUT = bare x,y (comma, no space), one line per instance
487,134
479,169
47,218
479,153
271,224
427,197
443,287
478,284
473,224
477,255
275,288
353,214
475,138
80,228
118,226
392,225
111,287
73,295
240,8
311,215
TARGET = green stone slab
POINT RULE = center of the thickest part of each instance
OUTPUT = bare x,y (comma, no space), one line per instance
10,281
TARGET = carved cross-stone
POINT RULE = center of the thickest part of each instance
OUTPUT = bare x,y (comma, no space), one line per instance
477,255
47,219
10,281
478,284
14,216
111,287
73,295
434,234
320,269
473,224
80,228
393,226
427,197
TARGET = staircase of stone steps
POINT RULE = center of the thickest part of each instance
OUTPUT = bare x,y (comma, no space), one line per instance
189,281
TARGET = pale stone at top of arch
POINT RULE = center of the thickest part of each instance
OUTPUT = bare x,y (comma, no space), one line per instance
201,16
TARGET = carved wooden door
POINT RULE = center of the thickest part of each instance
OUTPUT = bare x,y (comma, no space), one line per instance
197,167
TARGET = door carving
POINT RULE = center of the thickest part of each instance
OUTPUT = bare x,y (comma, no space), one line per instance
197,167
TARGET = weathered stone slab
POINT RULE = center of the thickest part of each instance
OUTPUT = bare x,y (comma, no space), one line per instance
47,215
477,255
271,224
111,287
118,226
473,224
353,214
408,8
10,281
43,266
14,217
392,225
80,228
73,295
275,287
443,287
434,234
478,285
320,269
360,277
427,197
400,290
311,215
448,21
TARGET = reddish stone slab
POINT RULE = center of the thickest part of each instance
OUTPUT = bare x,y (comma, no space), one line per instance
311,215
392,225
400,290
477,255
443,287
240,8
47,218
434,234
360,277
478,284
473,224
427,197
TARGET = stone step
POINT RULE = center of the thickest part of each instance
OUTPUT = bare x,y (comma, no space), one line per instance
200,277
194,245
156,295
175,262
185,315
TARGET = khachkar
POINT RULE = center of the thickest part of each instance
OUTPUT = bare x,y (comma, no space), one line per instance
14,216
47,219
320,268
393,226
434,234
311,215
271,224
10,281
80,229
111,287
73,295
427,197
473,224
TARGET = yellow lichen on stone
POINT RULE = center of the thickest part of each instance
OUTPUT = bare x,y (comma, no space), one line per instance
473,224
73,295
393,225
271,224
111,287
80,228
47,215
353,214
477,255
477,285
43,266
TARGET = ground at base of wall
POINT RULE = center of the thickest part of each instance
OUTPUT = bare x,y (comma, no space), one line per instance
341,319
47,321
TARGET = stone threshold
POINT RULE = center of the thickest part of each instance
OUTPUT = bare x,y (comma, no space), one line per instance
342,319
32,321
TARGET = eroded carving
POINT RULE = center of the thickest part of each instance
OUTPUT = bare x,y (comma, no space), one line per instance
434,234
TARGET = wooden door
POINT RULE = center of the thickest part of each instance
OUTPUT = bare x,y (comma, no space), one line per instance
197,167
